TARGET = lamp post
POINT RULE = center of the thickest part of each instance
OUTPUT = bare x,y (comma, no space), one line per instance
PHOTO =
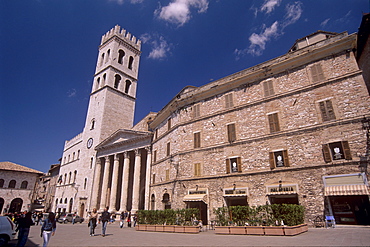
364,161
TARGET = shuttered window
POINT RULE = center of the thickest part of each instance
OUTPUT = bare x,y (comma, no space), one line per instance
197,140
196,111
167,174
273,122
268,88
229,100
168,149
279,159
155,156
336,151
234,165
231,133
197,171
317,73
169,124
327,110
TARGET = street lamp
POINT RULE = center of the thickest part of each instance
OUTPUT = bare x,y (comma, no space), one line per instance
364,161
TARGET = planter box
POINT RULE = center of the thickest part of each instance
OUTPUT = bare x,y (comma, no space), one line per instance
141,227
222,230
169,228
237,230
295,230
150,228
274,230
179,229
159,228
191,229
255,230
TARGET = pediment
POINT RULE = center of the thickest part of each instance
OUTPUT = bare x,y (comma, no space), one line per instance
121,136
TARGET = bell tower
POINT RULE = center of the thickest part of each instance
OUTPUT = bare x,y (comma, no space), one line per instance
113,94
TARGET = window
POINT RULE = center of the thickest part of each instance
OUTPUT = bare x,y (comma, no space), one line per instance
73,156
268,88
74,176
168,149
127,86
121,54
273,122
327,110
91,162
336,151
197,140
167,174
60,179
24,185
85,183
104,78
130,62
156,134
229,100
197,171
153,179
108,54
279,159
98,83
155,156
78,154
65,178
92,125
1,183
102,59
233,165
70,177
12,184
317,73
231,133
117,80
169,124
196,112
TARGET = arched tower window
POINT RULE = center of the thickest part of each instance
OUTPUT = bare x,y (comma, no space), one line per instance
130,62
98,83
70,205
92,126
127,86
70,176
108,54
73,156
85,183
24,185
78,154
104,79
102,59
1,183
74,176
117,81
65,200
12,184
61,200
121,54
152,202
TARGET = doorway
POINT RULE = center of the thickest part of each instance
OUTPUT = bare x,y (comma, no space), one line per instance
202,206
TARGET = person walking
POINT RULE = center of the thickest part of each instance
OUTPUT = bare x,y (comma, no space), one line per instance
93,216
48,228
122,219
105,217
24,225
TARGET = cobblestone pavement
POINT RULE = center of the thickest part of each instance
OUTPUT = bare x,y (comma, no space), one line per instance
78,235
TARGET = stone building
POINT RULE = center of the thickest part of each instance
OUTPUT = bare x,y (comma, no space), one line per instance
288,130
17,184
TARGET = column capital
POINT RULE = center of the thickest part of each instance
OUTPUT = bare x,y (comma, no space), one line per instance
125,155
148,149
116,157
137,152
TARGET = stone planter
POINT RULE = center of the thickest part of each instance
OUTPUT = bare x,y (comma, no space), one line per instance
222,230
168,228
141,227
159,228
274,230
255,230
179,229
191,229
295,230
150,228
237,230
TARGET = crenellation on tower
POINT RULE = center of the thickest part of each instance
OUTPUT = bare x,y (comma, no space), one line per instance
122,34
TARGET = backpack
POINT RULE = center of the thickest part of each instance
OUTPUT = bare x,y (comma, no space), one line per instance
48,225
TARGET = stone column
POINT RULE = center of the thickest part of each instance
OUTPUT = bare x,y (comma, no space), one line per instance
104,188
95,190
136,186
147,177
125,174
113,195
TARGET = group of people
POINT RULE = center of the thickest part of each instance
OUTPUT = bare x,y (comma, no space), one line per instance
24,221
126,218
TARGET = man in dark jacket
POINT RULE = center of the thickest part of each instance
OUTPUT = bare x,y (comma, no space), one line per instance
24,224
105,217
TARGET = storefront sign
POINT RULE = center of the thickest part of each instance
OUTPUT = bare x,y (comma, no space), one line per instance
282,189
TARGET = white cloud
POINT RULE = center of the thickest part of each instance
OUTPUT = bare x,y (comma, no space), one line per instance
178,11
269,5
293,13
258,41
160,47
72,93
325,22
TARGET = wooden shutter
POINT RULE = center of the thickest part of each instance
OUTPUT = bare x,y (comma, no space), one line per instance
155,156
268,88
330,110
229,100
286,158
326,153
272,160
274,122
231,134
239,162
317,73
227,165
197,140
168,149
346,150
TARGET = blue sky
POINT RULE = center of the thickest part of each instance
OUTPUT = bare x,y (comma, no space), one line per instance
48,52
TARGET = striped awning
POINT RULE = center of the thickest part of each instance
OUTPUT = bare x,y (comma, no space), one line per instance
195,198
346,190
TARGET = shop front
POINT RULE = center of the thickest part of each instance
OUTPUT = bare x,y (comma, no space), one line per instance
347,198
197,198
236,196
281,193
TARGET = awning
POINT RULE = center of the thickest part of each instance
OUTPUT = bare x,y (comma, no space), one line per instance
195,198
346,190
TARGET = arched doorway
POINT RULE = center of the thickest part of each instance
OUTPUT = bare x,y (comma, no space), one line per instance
166,201
70,205
16,205
82,210
1,205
